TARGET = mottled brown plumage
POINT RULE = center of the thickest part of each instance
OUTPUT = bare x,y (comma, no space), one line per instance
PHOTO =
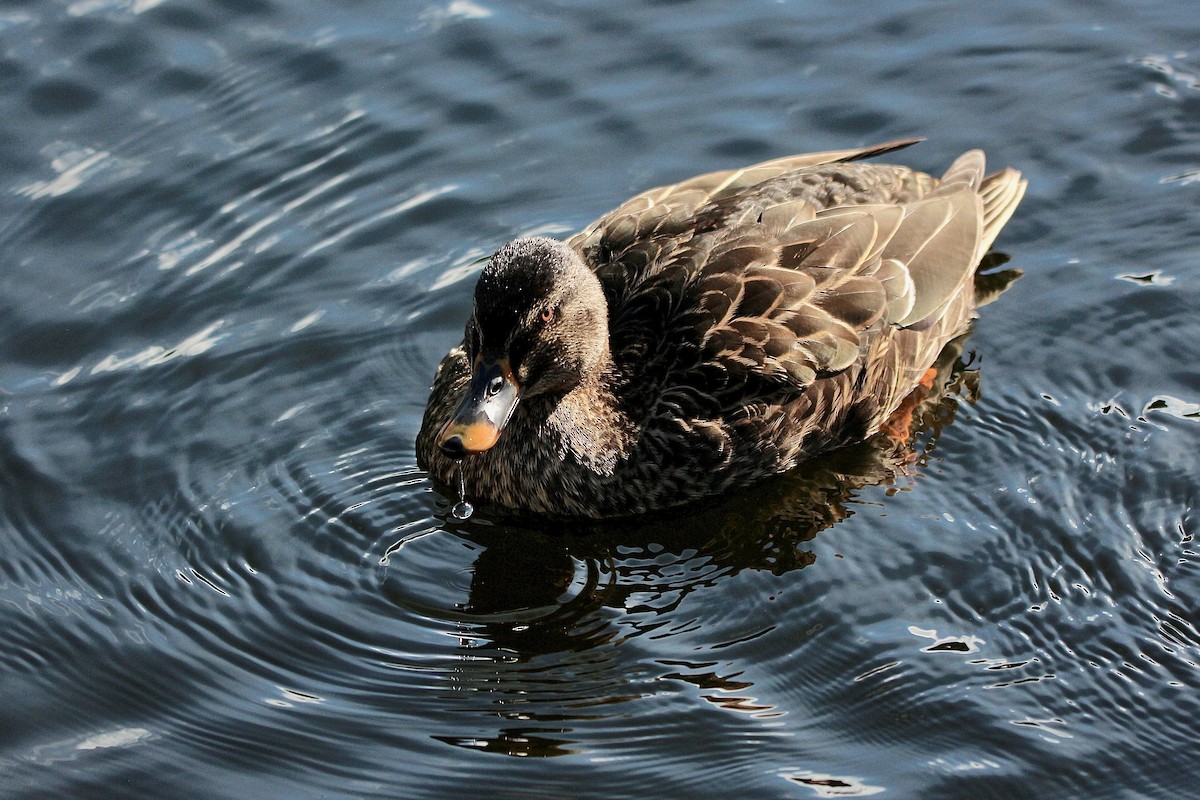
708,334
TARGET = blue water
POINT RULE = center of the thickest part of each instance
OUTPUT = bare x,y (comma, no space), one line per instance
236,236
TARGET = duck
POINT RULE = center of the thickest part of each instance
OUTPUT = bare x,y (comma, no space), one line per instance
708,334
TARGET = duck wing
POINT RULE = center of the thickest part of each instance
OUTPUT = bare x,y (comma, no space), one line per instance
750,285
673,208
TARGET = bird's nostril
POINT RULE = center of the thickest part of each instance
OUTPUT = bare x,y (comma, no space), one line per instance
453,446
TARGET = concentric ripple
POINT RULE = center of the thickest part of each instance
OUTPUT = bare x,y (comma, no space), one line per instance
237,236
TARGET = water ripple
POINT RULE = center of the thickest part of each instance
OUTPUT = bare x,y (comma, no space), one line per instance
238,236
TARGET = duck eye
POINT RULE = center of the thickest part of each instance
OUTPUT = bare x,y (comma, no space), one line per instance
547,314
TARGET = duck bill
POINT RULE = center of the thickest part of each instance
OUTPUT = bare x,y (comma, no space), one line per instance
484,411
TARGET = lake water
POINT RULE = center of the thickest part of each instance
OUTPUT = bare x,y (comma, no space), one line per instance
236,236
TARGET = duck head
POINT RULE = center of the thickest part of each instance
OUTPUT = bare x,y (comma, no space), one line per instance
539,328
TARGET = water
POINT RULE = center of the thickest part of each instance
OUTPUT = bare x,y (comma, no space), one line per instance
236,236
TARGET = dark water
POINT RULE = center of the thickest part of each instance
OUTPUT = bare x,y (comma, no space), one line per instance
237,235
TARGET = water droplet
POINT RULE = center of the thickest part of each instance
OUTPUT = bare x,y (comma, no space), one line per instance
462,509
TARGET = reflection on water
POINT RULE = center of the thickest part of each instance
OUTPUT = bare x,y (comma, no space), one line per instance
237,236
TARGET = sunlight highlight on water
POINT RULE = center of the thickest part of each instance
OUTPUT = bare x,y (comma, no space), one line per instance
237,238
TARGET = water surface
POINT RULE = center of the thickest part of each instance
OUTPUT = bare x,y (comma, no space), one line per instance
236,236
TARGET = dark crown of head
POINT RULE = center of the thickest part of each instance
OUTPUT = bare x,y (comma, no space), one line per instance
520,273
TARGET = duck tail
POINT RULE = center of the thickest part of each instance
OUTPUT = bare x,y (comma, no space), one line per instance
1001,192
